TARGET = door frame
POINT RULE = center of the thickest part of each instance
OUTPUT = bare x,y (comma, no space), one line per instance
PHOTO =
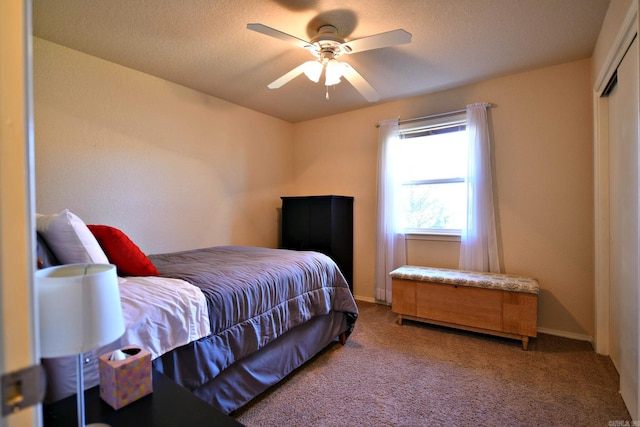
18,343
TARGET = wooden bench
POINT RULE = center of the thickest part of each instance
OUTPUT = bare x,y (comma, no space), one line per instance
497,304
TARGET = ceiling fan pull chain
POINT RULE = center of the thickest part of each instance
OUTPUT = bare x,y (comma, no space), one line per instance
326,95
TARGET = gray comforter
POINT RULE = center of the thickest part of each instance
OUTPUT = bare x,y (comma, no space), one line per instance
255,295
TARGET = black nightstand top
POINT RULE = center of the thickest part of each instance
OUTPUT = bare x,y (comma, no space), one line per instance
168,406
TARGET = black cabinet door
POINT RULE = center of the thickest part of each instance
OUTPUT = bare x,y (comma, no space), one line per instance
322,219
295,224
323,224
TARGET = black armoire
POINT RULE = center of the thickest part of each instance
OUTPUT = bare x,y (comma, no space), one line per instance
323,224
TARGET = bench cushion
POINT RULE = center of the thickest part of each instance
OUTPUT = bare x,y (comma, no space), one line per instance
505,282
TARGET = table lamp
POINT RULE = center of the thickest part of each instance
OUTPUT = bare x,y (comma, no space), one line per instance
79,310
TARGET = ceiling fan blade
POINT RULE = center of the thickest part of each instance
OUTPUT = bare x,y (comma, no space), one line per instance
287,77
361,85
390,38
278,35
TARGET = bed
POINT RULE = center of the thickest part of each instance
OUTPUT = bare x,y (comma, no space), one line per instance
225,322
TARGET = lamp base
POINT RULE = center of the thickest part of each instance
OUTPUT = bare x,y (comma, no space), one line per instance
80,394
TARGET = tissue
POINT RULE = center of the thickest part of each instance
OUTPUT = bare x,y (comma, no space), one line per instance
118,355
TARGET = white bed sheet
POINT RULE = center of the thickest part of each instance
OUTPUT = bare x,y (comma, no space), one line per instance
161,314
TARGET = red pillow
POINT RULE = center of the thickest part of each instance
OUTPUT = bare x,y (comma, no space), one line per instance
122,252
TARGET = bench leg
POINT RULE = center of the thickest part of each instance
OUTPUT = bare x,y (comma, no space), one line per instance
525,342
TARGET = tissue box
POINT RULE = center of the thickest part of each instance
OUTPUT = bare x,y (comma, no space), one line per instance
124,381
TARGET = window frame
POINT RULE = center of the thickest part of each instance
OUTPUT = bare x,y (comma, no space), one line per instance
420,128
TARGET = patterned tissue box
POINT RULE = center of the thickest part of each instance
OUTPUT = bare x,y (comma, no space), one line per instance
127,380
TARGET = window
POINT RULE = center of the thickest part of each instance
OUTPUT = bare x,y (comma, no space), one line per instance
433,164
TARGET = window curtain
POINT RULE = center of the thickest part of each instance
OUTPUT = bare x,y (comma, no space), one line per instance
479,246
390,239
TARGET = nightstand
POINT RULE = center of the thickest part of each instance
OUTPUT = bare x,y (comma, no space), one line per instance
169,405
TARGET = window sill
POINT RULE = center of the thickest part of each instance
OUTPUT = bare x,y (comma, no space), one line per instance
443,237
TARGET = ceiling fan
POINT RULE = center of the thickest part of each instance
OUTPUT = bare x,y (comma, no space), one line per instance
327,46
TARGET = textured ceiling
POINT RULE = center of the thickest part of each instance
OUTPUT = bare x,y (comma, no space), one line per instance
205,45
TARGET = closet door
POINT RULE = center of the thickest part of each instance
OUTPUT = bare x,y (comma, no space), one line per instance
623,191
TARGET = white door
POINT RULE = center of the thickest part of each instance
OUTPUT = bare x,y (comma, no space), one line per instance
623,193
17,344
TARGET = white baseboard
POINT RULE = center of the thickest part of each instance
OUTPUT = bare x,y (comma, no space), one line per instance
365,299
566,334
558,333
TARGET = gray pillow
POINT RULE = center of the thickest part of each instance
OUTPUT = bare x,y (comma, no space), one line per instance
46,258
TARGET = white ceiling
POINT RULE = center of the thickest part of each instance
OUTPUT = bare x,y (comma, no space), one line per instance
205,45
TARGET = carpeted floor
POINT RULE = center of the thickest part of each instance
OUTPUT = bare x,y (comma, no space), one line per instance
421,375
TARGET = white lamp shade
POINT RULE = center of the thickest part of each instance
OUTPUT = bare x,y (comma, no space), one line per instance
79,308
313,70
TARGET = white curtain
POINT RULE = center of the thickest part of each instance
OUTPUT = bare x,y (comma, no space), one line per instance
479,247
390,242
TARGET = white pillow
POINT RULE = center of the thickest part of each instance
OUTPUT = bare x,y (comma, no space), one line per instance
70,239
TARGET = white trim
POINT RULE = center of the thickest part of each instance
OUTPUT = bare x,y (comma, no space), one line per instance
554,332
18,317
443,237
601,218
445,119
628,31
636,392
565,334
368,299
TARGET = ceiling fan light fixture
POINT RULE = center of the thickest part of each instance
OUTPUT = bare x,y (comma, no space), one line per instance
326,46
313,70
333,72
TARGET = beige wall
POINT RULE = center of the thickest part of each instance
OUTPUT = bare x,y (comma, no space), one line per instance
542,149
177,169
173,168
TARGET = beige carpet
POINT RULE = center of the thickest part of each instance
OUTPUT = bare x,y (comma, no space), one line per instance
420,375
